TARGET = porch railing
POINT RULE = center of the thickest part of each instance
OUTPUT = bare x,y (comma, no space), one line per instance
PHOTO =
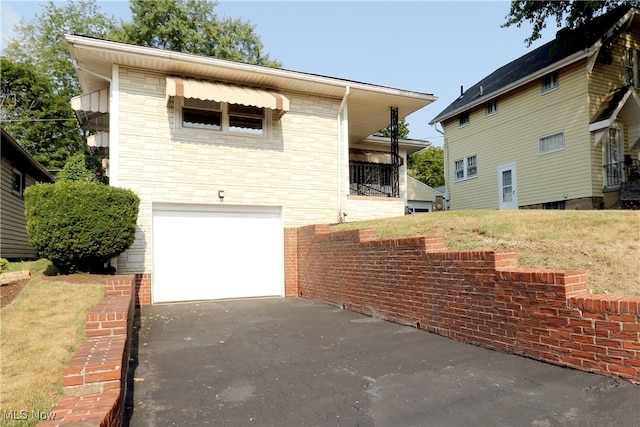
371,179
615,173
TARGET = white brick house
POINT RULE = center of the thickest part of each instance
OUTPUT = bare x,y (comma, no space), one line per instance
222,152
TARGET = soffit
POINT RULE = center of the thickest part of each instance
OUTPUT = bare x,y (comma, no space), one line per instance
368,105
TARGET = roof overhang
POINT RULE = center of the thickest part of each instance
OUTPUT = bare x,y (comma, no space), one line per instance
407,144
628,106
368,104
21,158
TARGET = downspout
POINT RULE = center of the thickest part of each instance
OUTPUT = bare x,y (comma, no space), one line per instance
345,138
445,203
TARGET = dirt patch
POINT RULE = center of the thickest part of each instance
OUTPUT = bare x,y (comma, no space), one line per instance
9,291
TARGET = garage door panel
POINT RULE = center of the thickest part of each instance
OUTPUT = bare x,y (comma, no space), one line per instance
214,255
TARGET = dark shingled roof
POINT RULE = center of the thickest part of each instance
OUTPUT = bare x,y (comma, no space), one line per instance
566,43
610,103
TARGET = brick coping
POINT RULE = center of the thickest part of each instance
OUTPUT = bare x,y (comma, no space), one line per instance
95,377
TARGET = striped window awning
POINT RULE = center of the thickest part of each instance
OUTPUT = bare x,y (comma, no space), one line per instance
223,92
92,109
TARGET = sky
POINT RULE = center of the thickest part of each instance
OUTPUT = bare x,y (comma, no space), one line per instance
424,46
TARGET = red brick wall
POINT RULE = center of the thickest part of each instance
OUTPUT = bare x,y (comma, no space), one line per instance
143,289
96,376
480,297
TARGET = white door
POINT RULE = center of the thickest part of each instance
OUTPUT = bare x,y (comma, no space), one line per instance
507,186
201,255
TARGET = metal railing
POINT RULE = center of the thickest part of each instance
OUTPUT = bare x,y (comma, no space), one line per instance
615,173
371,179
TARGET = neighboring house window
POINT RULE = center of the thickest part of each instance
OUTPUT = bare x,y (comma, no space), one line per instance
550,82
235,118
466,168
463,119
197,113
492,107
612,157
632,66
551,143
17,184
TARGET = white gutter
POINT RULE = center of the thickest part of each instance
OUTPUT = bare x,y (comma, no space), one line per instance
445,195
345,135
139,53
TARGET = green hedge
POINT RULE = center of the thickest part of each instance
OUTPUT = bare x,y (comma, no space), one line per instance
80,225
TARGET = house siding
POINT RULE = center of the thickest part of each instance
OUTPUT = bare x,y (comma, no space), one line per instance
14,243
164,163
511,135
605,78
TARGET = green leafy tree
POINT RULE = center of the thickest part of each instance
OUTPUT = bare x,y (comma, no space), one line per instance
80,225
38,118
427,166
192,26
76,170
403,130
40,42
565,13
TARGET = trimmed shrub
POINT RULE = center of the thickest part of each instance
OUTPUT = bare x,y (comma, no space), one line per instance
3,264
80,225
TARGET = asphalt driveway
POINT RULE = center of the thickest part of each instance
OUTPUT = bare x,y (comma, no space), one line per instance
294,362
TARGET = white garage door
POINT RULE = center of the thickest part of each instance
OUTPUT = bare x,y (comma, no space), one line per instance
199,254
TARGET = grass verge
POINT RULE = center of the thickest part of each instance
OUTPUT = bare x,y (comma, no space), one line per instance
40,330
605,244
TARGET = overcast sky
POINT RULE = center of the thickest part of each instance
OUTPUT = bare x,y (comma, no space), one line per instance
424,46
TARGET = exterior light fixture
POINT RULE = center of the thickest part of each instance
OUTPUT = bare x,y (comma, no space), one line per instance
221,194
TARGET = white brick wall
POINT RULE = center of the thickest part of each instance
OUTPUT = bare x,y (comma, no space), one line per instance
296,168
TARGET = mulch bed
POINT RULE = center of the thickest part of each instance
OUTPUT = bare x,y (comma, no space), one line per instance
10,291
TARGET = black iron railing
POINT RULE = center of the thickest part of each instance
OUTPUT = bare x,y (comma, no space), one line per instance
371,179
615,173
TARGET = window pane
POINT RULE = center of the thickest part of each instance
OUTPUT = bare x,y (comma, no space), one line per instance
202,118
472,168
245,124
459,166
551,143
201,103
246,118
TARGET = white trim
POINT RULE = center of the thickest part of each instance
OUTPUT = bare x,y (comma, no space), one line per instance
114,126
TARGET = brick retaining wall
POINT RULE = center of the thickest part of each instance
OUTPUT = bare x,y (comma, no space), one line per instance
479,297
96,376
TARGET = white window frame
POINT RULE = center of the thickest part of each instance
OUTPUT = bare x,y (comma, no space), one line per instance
465,168
224,122
491,107
544,138
17,173
550,82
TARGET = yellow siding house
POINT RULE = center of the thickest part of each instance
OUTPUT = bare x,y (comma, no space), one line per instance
558,128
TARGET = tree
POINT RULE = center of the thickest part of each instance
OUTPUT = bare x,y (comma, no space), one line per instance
38,118
40,43
192,26
76,170
427,166
567,13
403,130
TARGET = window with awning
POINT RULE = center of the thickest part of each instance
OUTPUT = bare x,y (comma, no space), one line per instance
223,92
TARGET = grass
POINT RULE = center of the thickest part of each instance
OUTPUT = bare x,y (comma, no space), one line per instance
40,330
37,268
605,244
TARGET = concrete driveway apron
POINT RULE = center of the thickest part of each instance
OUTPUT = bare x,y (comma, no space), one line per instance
294,362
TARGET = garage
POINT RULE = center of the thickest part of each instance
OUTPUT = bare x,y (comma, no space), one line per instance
203,252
